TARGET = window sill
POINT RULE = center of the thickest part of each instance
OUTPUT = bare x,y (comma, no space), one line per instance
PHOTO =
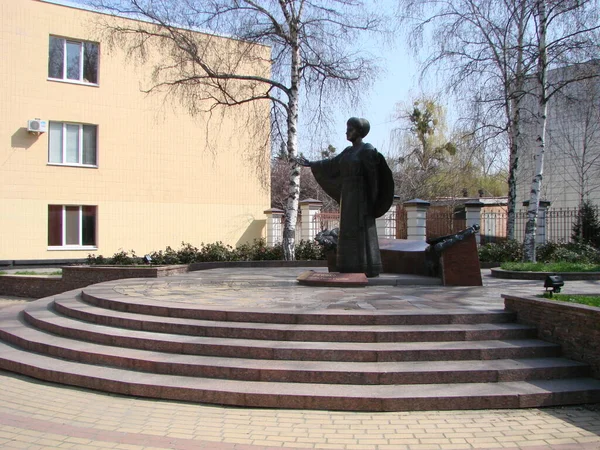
73,247
83,166
81,83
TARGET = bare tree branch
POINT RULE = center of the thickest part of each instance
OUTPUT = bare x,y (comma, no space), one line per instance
294,53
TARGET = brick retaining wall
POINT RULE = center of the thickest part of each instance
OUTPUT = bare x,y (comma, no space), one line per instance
74,277
33,286
576,328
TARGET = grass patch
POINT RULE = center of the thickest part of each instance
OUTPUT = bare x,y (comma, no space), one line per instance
33,272
590,300
550,267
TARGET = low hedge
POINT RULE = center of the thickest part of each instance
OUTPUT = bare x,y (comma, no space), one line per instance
550,252
188,254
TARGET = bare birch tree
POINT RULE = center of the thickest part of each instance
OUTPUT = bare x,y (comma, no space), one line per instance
566,32
314,55
479,50
497,54
309,188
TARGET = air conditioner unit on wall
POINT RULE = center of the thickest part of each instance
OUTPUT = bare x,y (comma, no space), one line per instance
37,126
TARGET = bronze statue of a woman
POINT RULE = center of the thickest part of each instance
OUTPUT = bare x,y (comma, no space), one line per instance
360,180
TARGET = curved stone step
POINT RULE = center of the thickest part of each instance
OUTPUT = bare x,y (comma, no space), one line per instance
107,298
40,316
74,308
415,372
303,396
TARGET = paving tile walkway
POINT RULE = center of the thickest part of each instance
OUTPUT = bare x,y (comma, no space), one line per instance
40,415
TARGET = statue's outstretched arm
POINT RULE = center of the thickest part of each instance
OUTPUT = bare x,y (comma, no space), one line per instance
301,160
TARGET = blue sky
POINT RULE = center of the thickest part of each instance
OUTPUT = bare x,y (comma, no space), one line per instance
396,83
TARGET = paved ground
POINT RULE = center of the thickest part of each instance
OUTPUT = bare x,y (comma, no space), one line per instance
36,414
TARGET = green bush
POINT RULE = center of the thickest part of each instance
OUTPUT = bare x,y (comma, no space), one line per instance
187,254
575,252
169,256
121,258
93,260
587,227
309,250
258,250
509,250
550,252
216,252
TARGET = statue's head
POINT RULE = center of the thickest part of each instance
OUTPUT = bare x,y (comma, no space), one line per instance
362,126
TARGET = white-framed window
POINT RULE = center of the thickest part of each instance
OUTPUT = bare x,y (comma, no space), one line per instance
72,227
72,144
72,60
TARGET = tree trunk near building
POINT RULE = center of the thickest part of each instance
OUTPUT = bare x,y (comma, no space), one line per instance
540,124
515,91
291,210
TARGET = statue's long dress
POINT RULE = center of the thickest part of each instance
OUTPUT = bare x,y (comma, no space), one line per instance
351,178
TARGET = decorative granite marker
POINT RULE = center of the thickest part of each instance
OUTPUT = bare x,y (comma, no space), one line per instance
333,279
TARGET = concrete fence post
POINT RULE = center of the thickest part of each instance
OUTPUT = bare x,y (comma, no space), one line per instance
386,224
540,231
416,219
309,208
274,226
541,234
473,215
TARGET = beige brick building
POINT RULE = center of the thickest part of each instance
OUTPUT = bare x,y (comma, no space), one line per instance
115,168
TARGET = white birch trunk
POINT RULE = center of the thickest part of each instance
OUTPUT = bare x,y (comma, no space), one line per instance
540,122
516,89
515,146
291,209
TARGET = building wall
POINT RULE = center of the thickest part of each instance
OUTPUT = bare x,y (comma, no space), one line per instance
162,176
572,153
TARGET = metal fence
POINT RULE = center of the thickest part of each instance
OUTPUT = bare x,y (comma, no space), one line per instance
559,223
401,223
439,223
387,225
442,223
326,220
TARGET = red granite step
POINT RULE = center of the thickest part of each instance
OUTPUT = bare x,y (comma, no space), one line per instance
75,308
16,332
41,317
333,359
107,298
303,396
